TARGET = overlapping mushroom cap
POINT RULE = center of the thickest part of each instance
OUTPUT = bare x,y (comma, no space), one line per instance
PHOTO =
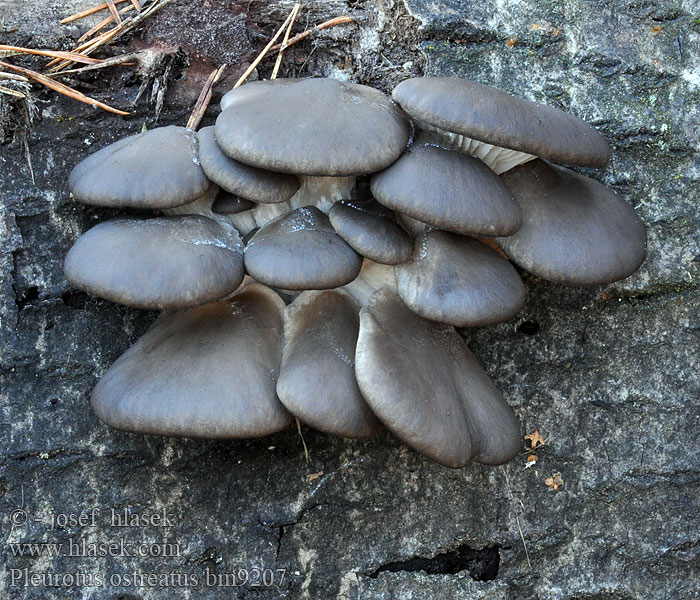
314,127
487,114
575,229
208,371
154,169
159,263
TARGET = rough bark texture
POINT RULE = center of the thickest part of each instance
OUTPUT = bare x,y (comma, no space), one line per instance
609,375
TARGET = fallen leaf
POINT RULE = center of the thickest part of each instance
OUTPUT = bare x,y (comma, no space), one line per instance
530,461
535,438
314,476
554,481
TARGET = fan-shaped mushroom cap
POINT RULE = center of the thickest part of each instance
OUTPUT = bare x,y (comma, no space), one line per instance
314,127
252,90
487,114
449,190
370,231
575,229
226,203
245,181
425,385
154,169
160,263
458,280
301,251
206,372
317,378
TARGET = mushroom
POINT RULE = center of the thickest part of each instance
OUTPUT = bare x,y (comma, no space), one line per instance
247,182
160,263
154,169
367,227
301,251
424,384
575,229
208,371
449,190
226,203
460,281
317,378
500,129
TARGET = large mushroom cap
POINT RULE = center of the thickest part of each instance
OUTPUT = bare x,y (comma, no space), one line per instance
460,281
154,169
367,227
449,190
317,378
301,251
425,385
244,181
161,263
207,372
575,229
487,114
314,127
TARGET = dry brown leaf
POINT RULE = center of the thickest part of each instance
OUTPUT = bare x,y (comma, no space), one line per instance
535,438
554,482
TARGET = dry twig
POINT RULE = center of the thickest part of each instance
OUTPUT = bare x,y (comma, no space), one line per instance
304,34
202,103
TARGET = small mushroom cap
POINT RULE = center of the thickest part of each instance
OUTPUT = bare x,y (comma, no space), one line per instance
301,251
154,169
161,263
208,372
252,90
226,203
460,281
245,181
317,378
449,190
314,127
489,115
370,231
425,385
575,230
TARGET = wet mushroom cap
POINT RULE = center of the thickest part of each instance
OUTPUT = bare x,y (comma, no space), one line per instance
247,182
154,169
301,251
208,371
575,230
449,190
160,263
458,280
424,384
314,127
226,203
317,378
370,231
489,115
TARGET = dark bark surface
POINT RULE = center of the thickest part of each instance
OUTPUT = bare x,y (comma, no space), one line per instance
609,375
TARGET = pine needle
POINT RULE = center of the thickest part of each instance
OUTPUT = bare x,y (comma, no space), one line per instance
202,103
61,88
88,12
278,62
60,54
325,25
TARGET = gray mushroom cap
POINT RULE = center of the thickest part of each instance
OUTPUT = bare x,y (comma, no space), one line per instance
458,280
575,230
425,385
449,190
253,90
367,227
161,263
317,378
301,251
208,371
226,203
314,127
487,114
154,169
244,181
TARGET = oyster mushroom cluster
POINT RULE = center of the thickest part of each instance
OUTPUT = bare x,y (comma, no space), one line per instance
315,250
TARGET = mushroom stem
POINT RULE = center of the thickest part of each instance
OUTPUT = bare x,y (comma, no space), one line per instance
373,276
